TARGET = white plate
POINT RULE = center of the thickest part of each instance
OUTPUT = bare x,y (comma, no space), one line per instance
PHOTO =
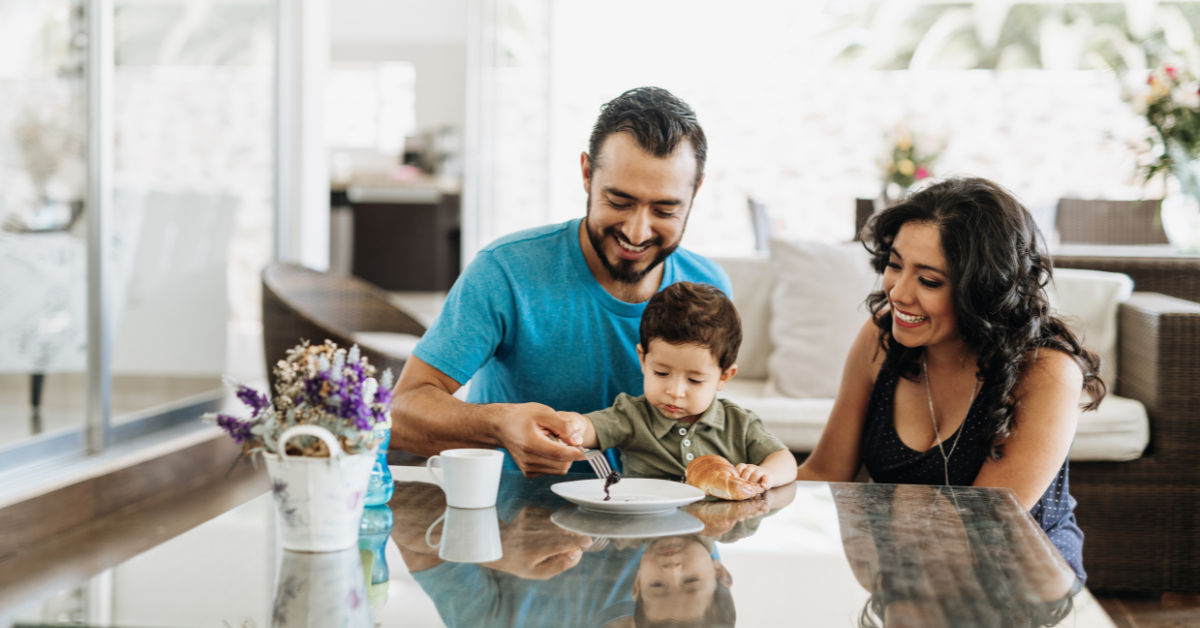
613,526
633,496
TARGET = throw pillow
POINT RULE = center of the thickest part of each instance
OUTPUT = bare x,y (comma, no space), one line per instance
817,308
1088,300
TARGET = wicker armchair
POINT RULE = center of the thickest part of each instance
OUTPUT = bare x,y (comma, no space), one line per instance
1142,518
303,304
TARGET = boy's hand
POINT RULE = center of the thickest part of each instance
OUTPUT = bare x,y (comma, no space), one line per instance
754,473
586,431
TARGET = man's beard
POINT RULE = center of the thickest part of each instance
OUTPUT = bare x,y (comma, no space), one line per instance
624,271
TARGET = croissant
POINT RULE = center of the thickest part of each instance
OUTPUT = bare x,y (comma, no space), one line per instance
720,517
716,476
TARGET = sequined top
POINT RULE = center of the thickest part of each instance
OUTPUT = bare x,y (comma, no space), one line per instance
890,461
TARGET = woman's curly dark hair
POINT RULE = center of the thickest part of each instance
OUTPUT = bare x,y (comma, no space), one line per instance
999,270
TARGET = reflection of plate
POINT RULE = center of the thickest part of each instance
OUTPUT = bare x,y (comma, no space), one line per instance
633,496
613,526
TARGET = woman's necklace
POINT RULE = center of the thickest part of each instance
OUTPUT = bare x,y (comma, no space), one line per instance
929,396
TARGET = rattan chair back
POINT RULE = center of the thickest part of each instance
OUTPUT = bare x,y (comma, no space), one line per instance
1109,222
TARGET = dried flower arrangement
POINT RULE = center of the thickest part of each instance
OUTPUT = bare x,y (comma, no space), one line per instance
318,385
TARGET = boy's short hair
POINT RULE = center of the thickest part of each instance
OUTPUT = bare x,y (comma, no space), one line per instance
694,313
719,614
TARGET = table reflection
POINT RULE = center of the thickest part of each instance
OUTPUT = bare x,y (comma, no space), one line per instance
633,571
947,556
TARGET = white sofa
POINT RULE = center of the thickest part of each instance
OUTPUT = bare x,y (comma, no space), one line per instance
1118,431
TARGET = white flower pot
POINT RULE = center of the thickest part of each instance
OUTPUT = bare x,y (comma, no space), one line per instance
319,501
321,591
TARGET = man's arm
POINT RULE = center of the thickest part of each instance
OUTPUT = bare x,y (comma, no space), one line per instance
427,419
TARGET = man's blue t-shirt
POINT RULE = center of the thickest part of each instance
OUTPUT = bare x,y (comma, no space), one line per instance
527,322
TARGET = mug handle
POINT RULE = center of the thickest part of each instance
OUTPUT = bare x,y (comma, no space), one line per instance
429,468
430,530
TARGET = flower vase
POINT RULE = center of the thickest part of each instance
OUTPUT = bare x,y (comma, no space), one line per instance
319,501
1181,207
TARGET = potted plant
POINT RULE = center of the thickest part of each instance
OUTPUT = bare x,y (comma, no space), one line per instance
904,165
316,437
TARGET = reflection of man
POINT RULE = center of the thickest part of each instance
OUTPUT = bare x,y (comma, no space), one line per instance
547,319
544,578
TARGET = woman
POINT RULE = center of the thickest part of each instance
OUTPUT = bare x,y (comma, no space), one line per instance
962,375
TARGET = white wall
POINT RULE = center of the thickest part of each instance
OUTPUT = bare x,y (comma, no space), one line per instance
430,35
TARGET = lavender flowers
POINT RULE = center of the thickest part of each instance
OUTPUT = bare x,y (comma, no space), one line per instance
316,385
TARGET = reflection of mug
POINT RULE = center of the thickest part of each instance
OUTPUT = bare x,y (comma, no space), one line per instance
469,536
470,477
320,590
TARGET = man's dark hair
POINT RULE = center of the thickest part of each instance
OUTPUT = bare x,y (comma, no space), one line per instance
656,119
694,313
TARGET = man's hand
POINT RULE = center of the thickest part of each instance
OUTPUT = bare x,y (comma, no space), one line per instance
536,549
529,432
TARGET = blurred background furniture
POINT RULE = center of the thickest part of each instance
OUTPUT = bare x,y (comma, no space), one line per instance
863,208
761,224
304,304
405,238
1154,268
1109,222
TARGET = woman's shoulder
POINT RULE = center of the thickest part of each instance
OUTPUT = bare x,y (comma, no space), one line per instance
1048,369
866,355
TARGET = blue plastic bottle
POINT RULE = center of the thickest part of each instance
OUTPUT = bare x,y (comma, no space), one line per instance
379,489
373,531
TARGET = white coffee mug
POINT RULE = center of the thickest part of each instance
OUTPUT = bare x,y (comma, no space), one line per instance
469,536
470,477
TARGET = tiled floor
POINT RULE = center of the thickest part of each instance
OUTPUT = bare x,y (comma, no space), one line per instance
1171,611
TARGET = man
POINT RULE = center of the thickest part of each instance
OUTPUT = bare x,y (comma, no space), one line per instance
546,320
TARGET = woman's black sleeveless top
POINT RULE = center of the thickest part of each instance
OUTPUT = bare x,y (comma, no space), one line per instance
890,461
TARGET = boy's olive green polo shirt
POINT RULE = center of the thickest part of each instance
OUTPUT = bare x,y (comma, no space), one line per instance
655,446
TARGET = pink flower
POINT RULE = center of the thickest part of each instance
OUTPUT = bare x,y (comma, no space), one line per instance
921,173
1171,72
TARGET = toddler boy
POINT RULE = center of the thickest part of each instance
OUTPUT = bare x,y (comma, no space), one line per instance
690,334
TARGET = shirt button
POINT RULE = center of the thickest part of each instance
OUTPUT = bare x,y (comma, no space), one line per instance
690,456
687,443
682,431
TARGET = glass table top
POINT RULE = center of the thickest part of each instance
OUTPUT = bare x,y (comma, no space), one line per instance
812,554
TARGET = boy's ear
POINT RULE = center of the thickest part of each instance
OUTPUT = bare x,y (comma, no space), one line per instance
723,576
726,375
641,354
637,585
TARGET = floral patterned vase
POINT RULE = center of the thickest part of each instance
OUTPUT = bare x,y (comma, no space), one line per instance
321,591
319,501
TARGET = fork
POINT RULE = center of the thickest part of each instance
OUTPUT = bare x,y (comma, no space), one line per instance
597,460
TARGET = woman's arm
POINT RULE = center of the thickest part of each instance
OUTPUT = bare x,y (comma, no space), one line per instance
1047,395
836,457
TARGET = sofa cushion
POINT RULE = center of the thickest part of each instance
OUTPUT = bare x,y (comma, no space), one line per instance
1088,300
1119,430
817,308
752,282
